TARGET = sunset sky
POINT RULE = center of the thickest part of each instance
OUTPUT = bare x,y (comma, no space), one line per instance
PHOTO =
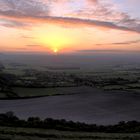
69,26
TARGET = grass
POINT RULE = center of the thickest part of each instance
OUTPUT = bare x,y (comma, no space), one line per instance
14,71
113,87
2,95
134,86
22,92
35,92
12,133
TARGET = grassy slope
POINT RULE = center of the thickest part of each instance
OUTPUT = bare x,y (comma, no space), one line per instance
11,133
38,92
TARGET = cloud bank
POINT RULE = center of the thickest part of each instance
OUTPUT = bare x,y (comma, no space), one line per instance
23,13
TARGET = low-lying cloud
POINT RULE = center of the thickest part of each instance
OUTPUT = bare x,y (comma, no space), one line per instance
122,43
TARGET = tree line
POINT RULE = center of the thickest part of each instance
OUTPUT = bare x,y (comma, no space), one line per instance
10,120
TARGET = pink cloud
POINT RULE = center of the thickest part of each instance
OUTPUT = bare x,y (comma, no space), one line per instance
100,14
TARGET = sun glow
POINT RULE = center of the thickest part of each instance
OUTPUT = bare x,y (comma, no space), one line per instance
55,50
54,38
55,42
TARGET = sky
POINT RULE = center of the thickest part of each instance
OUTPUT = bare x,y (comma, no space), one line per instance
69,26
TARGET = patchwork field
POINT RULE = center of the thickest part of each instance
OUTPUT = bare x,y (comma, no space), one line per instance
26,81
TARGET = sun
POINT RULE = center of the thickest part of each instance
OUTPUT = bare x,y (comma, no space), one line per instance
55,50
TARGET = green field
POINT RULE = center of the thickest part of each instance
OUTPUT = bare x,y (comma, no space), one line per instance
12,133
36,92
22,92
3,95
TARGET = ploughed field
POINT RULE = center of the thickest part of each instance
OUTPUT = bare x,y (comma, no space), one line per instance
87,105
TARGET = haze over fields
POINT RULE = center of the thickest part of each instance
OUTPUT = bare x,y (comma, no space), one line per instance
93,60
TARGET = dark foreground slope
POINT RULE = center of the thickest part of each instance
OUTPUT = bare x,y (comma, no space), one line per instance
12,128
9,119
12,133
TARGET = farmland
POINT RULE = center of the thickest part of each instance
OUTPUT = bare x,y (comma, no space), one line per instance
23,81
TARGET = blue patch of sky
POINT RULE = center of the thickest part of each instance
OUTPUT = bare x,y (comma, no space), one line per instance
132,8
